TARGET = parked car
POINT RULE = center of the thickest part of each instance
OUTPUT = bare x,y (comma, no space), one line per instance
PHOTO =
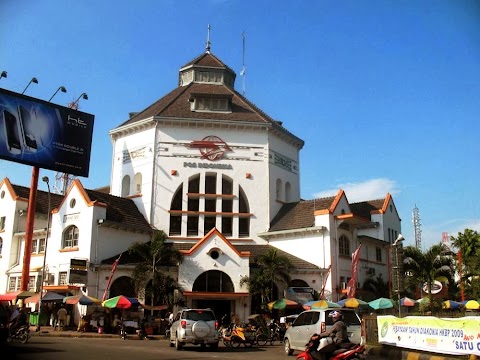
316,321
194,326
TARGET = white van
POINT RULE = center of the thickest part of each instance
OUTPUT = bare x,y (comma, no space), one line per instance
316,321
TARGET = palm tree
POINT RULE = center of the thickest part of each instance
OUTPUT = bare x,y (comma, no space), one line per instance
436,263
272,269
377,286
468,245
153,255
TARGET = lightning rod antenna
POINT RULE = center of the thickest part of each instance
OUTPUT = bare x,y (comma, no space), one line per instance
242,73
208,43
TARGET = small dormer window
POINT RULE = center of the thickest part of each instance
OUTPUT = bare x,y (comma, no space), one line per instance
211,104
209,77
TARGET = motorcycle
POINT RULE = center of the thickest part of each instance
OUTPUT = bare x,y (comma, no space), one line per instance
22,334
350,352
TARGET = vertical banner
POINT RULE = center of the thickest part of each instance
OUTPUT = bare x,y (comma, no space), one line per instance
352,284
114,267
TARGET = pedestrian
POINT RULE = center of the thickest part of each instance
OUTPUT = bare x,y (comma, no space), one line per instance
62,318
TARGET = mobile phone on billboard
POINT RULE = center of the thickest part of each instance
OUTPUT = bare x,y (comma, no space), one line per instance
12,133
30,142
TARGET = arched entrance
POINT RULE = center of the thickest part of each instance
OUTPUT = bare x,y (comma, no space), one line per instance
218,289
122,286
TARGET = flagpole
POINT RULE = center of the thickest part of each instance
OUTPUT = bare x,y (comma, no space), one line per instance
114,267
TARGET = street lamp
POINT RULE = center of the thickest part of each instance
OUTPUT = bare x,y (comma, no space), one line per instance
61,88
397,246
46,180
34,80
74,105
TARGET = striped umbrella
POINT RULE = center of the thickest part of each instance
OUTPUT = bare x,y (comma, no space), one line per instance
351,303
320,304
120,302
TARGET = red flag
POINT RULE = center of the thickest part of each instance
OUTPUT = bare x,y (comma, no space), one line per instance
352,284
114,267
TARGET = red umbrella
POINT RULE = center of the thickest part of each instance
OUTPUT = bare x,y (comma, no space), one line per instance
120,302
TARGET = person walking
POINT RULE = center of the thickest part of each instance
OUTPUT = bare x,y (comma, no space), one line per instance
62,318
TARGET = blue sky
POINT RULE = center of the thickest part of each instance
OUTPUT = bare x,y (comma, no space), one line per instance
384,93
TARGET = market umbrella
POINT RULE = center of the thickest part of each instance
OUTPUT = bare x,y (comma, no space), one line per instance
381,303
423,300
16,295
81,299
471,304
121,302
406,301
282,304
351,303
450,304
49,296
320,304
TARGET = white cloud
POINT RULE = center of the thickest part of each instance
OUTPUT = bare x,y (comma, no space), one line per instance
432,235
368,190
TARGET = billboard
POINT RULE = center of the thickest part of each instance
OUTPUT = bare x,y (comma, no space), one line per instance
38,133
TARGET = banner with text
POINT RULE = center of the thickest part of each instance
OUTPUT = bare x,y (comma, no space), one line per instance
456,336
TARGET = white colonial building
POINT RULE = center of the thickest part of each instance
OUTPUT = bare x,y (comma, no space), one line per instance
222,180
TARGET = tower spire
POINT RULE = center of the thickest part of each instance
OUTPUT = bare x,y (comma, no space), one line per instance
208,43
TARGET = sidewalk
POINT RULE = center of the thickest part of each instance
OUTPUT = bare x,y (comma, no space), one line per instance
48,331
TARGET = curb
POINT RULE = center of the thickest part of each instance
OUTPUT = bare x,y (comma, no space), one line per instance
396,353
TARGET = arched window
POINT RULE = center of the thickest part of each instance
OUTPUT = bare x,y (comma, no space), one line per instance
175,218
126,186
214,204
213,281
243,221
1,245
344,246
279,190
137,183
288,192
70,237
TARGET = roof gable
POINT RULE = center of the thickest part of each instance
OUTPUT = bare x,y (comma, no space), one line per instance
209,236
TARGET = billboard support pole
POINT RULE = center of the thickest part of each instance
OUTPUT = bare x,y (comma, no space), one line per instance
27,252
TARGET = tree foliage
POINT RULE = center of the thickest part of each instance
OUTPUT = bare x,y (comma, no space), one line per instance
426,267
155,256
468,245
273,268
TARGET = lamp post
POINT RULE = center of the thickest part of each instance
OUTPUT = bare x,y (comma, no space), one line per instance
74,105
397,246
61,88
34,80
46,180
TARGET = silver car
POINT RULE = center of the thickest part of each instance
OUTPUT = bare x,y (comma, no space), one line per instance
316,321
194,326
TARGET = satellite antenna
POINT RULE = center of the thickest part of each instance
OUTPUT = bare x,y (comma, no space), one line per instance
242,73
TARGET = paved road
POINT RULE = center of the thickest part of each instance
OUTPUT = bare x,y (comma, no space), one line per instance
58,348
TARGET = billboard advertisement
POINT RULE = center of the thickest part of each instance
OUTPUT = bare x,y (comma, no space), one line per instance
49,136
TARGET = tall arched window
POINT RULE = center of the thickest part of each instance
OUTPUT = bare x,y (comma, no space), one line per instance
214,207
278,190
344,246
137,183
288,192
70,237
126,186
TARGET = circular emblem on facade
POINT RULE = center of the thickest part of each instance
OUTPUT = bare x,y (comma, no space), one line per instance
211,147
